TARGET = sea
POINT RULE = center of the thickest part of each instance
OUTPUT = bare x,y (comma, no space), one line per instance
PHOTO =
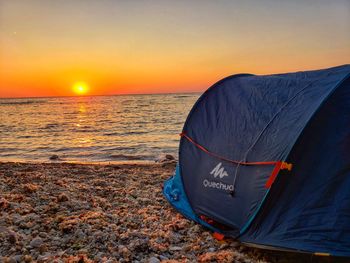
93,129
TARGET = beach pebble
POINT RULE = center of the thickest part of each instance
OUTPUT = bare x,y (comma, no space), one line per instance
30,188
62,198
27,259
174,248
79,234
36,242
165,158
4,203
99,256
12,237
124,251
98,236
42,234
169,157
18,258
45,257
162,257
10,260
153,260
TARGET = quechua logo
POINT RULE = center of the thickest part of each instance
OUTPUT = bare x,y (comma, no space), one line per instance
219,171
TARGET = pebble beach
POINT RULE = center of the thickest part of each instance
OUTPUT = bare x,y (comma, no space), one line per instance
64,212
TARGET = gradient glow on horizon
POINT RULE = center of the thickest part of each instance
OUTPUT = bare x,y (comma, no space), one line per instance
121,47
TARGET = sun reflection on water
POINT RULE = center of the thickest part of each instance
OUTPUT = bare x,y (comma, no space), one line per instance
110,128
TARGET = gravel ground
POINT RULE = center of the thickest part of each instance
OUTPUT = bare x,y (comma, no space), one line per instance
61,212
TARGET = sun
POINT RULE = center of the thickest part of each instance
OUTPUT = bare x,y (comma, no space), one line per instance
80,88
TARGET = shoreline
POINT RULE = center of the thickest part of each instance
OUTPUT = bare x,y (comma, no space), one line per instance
103,163
56,159
69,212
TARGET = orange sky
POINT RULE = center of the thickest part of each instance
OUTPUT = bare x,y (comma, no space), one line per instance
119,47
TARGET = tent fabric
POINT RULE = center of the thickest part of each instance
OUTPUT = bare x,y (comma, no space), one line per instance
174,192
302,118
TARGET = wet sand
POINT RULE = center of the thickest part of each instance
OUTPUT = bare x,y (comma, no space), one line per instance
64,212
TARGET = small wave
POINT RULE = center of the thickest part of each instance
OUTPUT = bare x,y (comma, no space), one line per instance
117,148
7,154
135,132
125,134
182,96
112,133
76,149
141,122
9,149
24,136
43,148
127,102
26,102
143,105
51,125
83,130
129,157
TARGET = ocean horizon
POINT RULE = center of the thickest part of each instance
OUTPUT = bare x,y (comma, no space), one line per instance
93,129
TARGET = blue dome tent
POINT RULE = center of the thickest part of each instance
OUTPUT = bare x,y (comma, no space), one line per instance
266,160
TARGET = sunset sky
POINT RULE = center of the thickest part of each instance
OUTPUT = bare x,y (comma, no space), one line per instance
61,48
